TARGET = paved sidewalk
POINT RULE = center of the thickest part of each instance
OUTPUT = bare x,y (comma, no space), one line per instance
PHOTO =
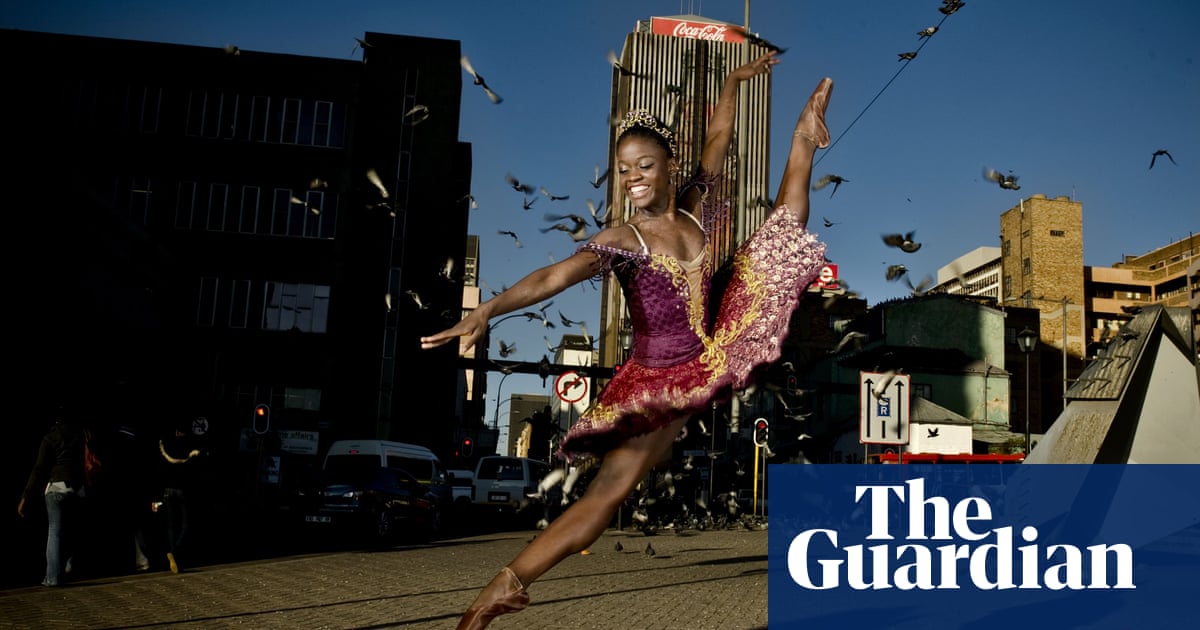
712,579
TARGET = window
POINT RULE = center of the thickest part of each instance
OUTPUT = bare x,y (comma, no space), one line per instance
281,206
1057,233
1007,246
248,210
239,304
206,302
218,200
139,200
321,124
260,114
1026,265
1007,285
185,205
924,390
302,307
291,121
151,106
305,398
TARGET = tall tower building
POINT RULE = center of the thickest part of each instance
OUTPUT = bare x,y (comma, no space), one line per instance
677,66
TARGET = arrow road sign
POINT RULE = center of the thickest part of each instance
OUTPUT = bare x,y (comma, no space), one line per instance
884,406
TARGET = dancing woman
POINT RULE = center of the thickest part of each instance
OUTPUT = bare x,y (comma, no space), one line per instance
680,361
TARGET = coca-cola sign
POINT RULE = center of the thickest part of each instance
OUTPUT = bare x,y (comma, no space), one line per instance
695,30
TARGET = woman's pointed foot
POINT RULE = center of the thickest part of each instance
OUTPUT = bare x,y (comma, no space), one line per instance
504,594
811,125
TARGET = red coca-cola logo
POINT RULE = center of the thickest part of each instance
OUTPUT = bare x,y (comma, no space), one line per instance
711,32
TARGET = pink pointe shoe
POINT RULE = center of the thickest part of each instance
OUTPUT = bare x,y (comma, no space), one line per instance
811,125
504,594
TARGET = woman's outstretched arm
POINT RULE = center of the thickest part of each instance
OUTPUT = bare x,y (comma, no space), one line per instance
538,286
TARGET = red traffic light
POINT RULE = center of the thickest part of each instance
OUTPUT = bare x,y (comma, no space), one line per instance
260,410
760,424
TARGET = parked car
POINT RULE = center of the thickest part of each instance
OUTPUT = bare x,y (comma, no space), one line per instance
364,498
502,484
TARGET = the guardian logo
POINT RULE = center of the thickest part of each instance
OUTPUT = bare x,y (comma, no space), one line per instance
958,547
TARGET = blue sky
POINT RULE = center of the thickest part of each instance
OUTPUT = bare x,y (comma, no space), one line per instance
1072,99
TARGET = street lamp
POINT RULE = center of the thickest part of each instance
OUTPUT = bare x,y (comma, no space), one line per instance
1026,341
496,415
1065,301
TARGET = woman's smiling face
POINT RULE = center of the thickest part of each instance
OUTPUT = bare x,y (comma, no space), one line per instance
644,171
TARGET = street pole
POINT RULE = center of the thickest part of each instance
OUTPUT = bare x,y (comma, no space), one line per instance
1027,404
496,415
1065,301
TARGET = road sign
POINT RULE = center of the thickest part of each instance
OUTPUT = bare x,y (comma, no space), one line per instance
570,387
884,406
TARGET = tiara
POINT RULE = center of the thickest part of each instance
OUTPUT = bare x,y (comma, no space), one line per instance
643,118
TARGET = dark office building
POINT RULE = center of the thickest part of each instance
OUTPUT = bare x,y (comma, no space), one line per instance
196,231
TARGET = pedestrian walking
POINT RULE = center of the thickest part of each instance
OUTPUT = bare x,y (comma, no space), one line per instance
58,480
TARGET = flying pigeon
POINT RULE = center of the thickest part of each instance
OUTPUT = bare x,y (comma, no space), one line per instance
421,304
1158,153
616,63
478,79
517,185
513,235
507,349
528,203
1007,182
949,7
554,197
417,115
836,180
598,180
895,271
829,223
358,43
852,337
755,39
598,217
577,231
904,241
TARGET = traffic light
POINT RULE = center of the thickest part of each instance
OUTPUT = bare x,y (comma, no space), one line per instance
760,432
544,368
467,447
260,421
616,369
791,384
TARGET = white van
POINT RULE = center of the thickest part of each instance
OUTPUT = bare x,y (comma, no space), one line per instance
502,482
416,460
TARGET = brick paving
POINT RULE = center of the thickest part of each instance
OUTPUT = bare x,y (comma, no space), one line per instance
697,580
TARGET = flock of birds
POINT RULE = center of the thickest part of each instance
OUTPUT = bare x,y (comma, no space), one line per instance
579,227
904,242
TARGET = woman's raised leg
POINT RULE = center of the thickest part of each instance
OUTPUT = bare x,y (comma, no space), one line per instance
810,135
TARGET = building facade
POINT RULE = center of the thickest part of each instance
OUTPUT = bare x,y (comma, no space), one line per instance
207,230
